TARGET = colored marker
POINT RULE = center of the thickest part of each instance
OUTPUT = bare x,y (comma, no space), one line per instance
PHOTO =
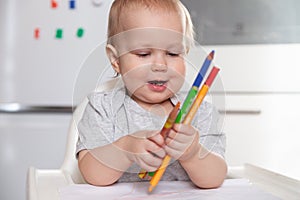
170,121
188,119
159,173
202,93
164,132
194,89
183,111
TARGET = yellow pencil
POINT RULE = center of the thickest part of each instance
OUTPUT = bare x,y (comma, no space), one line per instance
188,119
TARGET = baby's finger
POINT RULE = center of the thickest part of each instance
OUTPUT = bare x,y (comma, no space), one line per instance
172,134
173,152
157,138
184,129
153,161
146,165
177,145
182,138
155,149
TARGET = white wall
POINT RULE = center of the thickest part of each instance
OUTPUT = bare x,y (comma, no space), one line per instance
262,93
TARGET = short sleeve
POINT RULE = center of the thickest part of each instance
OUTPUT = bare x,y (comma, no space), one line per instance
208,124
95,128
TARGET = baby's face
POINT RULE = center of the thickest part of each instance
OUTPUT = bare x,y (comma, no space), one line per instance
151,53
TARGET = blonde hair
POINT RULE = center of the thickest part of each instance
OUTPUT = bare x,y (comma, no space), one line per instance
120,6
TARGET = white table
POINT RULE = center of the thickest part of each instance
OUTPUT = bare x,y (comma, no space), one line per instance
48,182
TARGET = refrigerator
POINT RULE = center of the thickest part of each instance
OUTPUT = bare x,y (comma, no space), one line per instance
44,48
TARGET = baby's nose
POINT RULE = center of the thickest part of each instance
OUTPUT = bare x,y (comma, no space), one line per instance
160,63
159,67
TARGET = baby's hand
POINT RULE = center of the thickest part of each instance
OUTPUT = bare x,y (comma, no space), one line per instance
182,142
145,149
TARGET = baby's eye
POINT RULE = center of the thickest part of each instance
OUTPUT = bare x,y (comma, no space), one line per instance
173,54
143,54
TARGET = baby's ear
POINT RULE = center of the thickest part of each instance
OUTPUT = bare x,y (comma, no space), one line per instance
112,55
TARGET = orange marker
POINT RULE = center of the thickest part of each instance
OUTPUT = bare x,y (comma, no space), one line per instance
202,93
170,121
165,130
188,119
159,173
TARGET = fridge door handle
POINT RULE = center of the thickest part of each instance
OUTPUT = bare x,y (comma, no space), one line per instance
22,108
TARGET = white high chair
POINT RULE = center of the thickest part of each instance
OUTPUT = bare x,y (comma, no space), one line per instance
44,184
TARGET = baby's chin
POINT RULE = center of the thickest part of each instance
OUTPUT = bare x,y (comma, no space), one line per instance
153,99
161,100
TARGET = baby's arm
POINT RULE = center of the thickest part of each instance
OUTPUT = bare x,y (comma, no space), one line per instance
205,169
105,165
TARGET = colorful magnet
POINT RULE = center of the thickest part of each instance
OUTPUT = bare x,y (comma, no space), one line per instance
80,32
36,33
97,3
59,33
54,4
72,4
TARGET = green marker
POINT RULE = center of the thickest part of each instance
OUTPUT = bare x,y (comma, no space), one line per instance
151,174
194,90
187,103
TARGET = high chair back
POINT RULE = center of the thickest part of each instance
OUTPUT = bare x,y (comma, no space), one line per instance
44,184
70,163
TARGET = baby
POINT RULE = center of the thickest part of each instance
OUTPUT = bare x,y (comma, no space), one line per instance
119,130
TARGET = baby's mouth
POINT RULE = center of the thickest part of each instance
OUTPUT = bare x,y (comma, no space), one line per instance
158,83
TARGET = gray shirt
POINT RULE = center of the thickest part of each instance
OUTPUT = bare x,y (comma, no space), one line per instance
112,114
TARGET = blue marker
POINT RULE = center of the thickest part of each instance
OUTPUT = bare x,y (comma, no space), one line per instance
194,90
204,69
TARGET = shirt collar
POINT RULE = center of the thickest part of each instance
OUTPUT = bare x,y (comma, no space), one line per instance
120,96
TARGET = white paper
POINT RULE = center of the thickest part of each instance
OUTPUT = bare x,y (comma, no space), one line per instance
232,189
